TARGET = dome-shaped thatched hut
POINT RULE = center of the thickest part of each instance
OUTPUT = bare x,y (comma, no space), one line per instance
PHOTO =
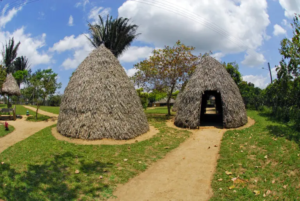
100,101
10,86
210,79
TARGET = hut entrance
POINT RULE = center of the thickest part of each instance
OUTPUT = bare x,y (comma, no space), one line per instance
211,109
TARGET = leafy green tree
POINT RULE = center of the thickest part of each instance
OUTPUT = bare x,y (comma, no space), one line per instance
166,69
43,83
116,34
233,69
144,97
55,100
9,54
2,76
21,69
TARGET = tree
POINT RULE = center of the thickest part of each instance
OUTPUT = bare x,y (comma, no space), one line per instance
9,54
2,76
43,83
166,70
116,34
233,69
144,97
21,69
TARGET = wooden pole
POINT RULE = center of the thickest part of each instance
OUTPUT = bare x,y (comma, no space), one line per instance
270,73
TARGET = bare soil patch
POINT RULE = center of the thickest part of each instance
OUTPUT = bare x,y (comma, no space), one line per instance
152,132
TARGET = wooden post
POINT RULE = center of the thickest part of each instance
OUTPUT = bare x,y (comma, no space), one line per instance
15,117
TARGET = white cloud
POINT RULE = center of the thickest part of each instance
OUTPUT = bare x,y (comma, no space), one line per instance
253,58
291,7
134,53
258,80
218,55
82,3
80,46
278,30
29,46
219,26
130,72
96,11
70,23
284,22
7,17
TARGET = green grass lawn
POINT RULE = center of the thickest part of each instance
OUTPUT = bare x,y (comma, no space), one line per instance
264,158
3,132
158,110
54,110
20,110
43,168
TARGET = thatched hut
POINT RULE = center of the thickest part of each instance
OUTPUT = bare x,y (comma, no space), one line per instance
100,101
210,79
10,86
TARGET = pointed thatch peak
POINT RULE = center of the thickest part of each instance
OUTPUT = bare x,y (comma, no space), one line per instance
100,101
210,76
10,86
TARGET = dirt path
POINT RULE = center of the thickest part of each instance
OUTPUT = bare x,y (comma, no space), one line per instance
24,129
184,174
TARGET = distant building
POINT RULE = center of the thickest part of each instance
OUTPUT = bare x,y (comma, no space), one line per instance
163,102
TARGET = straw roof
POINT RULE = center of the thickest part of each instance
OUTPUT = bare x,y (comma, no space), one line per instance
10,86
100,101
164,100
210,75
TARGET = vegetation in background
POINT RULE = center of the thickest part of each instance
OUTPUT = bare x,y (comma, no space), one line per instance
42,83
116,34
166,70
144,97
9,53
283,95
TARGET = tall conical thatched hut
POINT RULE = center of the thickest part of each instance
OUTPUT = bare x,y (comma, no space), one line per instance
10,86
210,78
100,101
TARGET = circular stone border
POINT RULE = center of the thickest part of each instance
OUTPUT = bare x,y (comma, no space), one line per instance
251,122
152,132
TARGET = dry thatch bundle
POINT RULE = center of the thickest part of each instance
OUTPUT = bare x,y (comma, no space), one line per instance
210,77
100,101
10,86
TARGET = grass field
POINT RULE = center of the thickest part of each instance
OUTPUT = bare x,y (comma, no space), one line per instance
43,168
20,110
54,110
158,110
263,161
3,132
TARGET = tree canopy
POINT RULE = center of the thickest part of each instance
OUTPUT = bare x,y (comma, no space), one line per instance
116,34
166,69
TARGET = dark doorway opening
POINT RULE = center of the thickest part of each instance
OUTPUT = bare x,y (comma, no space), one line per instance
211,109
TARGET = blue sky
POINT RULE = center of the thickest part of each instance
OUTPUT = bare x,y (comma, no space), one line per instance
53,32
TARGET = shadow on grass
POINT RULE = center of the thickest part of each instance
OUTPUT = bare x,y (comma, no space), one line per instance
52,180
288,132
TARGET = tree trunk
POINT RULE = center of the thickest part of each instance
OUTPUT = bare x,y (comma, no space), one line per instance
37,110
169,98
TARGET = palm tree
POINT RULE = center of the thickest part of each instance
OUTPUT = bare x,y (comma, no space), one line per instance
9,54
116,34
21,64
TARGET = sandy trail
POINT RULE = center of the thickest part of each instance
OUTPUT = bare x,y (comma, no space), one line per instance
184,174
24,129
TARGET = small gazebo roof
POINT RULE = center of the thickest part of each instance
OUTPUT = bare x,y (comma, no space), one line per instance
10,86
